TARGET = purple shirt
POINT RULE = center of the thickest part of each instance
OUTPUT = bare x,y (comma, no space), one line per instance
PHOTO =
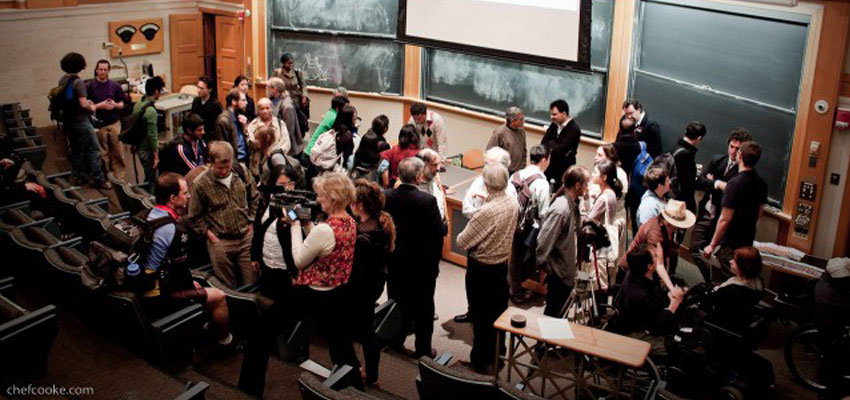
98,92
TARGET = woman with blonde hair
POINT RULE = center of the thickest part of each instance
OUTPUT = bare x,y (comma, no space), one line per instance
324,259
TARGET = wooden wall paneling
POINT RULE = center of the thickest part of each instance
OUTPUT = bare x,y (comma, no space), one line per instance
618,70
823,70
845,85
187,49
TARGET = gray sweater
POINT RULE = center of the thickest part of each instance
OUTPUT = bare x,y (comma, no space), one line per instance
556,242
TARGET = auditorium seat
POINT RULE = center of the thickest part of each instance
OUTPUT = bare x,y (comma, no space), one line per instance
512,393
387,320
440,382
245,308
14,216
31,241
26,338
138,199
167,341
313,389
94,219
194,392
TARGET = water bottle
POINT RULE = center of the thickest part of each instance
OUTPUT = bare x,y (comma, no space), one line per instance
132,269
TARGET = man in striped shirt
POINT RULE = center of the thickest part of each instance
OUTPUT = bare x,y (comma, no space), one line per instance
488,237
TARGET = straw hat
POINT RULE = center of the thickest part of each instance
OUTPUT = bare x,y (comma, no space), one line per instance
678,215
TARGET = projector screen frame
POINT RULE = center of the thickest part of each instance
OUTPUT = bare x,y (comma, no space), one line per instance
582,65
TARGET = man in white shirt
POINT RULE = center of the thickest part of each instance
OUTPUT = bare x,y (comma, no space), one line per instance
533,197
431,179
477,192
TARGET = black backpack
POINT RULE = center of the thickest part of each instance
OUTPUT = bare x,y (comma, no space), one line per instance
134,131
362,172
59,100
107,266
668,162
527,213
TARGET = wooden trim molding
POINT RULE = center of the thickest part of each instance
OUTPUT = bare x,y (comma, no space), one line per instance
412,71
823,69
620,63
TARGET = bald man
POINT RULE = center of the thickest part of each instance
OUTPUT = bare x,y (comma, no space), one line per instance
265,117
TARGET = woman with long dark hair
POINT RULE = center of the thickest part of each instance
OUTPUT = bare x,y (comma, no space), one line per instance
367,163
244,86
344,128
408,146
375,240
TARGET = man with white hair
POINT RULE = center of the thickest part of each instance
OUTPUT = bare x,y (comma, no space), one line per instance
284,109
430,181
267,119
488,237
477,193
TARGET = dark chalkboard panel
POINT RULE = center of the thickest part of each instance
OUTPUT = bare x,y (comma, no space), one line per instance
492,85
742,68
362,64
361,17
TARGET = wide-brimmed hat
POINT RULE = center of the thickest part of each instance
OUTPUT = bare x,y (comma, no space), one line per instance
678,215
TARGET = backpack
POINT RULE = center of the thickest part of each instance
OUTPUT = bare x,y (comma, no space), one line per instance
323,155
642,163
527,209
299,172
59,100
134,131
107,266
668,162
362,172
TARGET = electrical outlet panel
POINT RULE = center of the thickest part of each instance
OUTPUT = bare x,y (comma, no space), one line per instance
803,220
807,190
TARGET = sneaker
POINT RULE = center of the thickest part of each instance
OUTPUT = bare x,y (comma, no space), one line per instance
462,318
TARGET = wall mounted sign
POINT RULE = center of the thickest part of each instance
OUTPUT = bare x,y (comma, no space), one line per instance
141,36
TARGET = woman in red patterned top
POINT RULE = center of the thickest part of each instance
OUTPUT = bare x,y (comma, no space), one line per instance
324,260
408,146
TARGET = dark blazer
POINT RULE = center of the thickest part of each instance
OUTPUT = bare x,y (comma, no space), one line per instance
208,111
628,150
562,149
643,307
369,272
648,131
686,173
419,233
717,168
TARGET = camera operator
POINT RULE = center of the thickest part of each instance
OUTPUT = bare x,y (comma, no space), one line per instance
556,242
324,258
271,247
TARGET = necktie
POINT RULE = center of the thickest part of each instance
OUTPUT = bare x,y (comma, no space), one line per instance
728,167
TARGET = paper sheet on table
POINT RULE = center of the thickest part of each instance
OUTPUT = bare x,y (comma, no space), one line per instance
555,328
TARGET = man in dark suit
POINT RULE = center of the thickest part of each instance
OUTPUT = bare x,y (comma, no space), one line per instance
719,170
686,165
646,130
415,263
561,140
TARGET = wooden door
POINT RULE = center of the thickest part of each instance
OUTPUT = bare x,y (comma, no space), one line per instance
229,52
187,49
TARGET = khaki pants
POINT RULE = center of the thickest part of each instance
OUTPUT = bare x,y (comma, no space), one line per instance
111,149
231,261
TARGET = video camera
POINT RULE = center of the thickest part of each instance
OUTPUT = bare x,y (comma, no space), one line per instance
302,202
591,236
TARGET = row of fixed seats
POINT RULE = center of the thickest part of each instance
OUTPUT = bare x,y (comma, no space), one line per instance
26,336
17,123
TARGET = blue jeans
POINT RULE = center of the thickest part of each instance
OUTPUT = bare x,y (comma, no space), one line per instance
84,152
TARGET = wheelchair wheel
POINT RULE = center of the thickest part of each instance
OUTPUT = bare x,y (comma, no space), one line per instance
804,358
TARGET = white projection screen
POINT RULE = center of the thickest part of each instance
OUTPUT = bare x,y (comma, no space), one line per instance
548,32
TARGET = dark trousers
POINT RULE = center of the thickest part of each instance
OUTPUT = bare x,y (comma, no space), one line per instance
84,152
415,298
364,325
331,310
521,264
701,237
146,158
275,283
487,294
557,293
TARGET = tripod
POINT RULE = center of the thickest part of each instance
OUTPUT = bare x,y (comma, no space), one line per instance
580,307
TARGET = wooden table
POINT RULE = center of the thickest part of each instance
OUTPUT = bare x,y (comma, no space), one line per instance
599,361
457,180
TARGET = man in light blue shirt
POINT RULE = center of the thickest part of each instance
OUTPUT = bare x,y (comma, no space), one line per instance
657,180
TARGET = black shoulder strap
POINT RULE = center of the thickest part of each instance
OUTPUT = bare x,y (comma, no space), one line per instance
300,80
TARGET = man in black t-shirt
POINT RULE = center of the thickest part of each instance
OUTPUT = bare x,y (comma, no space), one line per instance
742,204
